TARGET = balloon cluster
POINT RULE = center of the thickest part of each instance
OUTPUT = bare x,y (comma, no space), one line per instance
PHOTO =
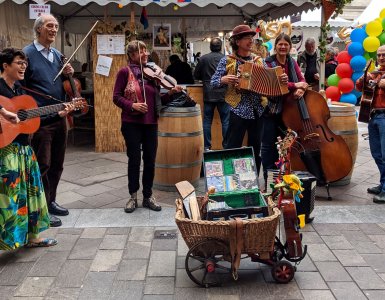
351,62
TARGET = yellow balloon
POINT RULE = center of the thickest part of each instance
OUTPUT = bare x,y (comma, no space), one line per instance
382,13
374,28
371,44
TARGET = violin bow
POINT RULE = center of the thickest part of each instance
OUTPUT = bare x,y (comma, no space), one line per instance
69,59
141,72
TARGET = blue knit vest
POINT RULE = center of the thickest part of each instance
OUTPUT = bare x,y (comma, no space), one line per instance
40,74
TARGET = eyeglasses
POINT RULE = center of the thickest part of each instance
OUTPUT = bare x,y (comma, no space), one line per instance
21,63
380,54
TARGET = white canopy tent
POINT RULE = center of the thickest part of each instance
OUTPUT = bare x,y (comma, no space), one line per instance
313,19
370,13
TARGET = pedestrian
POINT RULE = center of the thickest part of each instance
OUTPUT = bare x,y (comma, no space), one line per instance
330,62
245,106
308,61
23,208
376,126
272,118
140,101
212,97
179,70
50,141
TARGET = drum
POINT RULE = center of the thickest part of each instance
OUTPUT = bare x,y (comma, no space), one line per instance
180,147
343,122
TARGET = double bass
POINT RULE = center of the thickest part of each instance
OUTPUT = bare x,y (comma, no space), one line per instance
318,149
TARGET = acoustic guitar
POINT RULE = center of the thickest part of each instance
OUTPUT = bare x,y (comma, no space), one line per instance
28,112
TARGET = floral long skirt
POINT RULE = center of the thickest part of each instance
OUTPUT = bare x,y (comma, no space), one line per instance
23,207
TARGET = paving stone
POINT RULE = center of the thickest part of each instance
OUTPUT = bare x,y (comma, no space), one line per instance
127,290
7,292
320,252
132,270
65,242
68,197
119,230
346,290
182,247
317,295
355,236
98,178
76,231
164,244
97,285
337,242
106,261
49,264
310,281
141,234
26,255
35,287
180,261
311,238
159,286
371,228
93,233
162,263
100,200
379,240
332,271
333,229
158,297
93,190
61,293
367,248
135,250
190,294
366,278
14,274
306,265
117,182
85,248
376,261
72,273
283,291
349,258
113,242
375,294
182,280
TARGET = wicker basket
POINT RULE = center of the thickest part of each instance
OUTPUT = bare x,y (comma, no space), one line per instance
258,234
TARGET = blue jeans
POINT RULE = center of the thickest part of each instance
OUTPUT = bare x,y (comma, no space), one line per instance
224,113
376,130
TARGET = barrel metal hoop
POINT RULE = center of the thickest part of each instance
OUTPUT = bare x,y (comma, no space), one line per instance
345,132
179,166
180,115
343,113
180,134
181,109
171,187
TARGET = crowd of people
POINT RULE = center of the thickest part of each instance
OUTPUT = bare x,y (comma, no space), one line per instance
31,166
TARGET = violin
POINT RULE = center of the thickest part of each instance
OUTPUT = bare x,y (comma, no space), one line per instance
154,72
73,88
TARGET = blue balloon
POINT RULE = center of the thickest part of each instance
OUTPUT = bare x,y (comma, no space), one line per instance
358,63
348,98
356,93
357,75
358,35
355,49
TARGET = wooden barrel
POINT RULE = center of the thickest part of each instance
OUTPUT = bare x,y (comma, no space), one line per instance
343,122
180,147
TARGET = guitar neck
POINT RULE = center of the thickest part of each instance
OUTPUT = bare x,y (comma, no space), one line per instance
40,111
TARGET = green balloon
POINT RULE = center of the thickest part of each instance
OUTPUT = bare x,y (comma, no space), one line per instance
367,55
333,80
382,37
383,23
373,54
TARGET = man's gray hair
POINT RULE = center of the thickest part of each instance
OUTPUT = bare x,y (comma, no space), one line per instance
331,51
39,23
309,41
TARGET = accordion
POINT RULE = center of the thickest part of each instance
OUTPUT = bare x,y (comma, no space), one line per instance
261,80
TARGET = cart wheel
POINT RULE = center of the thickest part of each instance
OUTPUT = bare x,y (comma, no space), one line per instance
282,271
208,262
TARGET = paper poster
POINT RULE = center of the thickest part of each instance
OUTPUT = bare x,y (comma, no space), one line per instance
110,44
103,65
36,10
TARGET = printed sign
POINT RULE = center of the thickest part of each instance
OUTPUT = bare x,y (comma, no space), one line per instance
36,10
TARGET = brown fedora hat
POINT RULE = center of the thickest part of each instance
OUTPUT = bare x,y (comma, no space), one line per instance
242,30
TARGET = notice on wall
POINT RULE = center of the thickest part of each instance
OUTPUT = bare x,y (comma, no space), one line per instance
36,10
103,65
110,44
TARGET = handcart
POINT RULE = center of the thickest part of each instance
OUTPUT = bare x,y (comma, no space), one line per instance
216,247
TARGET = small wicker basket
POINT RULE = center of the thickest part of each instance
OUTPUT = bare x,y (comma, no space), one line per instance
258,234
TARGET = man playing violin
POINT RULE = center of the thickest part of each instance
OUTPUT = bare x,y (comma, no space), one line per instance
376,126
50,141
140,101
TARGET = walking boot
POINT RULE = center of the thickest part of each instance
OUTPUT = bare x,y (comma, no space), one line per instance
380,198
151,204
131,204
375,189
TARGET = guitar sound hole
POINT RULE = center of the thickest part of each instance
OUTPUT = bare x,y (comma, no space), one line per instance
22,114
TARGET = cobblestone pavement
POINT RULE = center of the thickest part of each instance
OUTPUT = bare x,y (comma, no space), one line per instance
104,253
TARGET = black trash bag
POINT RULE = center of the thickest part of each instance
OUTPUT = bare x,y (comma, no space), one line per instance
181,100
